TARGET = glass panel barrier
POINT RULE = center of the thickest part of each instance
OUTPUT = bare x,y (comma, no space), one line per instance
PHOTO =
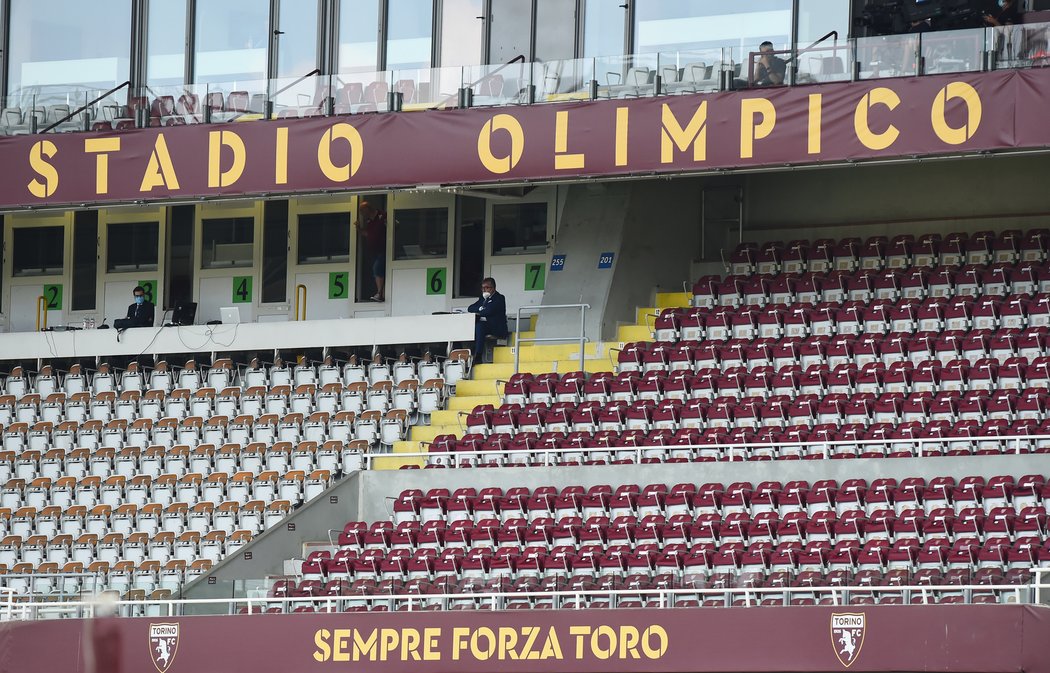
952,51
683,72
887,56
425,88
1023,46
173,105
293,97
563,80
503,84
236,101
361,92
826,62
631,76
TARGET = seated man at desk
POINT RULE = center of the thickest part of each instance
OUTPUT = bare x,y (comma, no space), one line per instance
490,312
140,313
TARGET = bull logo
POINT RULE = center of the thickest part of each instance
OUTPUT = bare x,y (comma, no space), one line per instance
847,636
163,645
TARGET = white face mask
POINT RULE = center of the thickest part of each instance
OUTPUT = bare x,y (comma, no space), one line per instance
486,295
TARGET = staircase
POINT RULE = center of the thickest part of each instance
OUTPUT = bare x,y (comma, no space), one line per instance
485,387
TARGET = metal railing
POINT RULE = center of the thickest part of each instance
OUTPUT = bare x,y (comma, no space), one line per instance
14,609
1016,444
582,338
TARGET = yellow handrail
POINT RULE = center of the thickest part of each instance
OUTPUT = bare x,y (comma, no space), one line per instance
41,310
300,289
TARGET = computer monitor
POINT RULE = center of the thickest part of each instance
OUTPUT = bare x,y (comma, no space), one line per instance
230,315
184,313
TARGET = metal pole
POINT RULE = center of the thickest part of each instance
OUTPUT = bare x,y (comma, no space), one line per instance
583,339
517,342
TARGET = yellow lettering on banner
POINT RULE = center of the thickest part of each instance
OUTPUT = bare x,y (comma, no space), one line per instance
551,648
39,153
482,653
160,172
530,633
871,140
389,638
580,632
622,117
606,632
815,114
431,651
672,135
365,647
409,644
658,650
562,160
629,638
459,641
508,640
216,141
341,638
750,131
501,165
324,652
102,147
281,168
332,171
969,96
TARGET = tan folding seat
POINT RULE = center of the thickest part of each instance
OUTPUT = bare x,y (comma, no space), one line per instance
219,374
290,486
161,545
101,464
279,457
253,457
214,430
37,492
59,548
74,517
49,520
252,512
114,490
52,463
84,548
27,465
276,511
186,546
39,436
225,517
291,427
198,568
316,482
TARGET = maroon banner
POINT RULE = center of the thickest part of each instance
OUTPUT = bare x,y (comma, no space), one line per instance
964,639
670,134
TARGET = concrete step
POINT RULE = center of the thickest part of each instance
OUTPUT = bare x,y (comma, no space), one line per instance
468,402
444,417
408,446
504,370
673,299
627,333
525,334
545,353
643,315
427,433
468,387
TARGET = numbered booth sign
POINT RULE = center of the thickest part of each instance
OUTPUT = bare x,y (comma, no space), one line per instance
436,280
535,277
53,297
242,290
338,285
150,289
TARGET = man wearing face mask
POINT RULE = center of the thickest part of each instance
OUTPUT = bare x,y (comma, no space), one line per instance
490,312
140,313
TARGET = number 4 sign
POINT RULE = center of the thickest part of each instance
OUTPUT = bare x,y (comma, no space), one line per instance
242,290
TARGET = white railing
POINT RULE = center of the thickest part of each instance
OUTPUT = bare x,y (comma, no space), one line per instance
581,338
917,447
36,609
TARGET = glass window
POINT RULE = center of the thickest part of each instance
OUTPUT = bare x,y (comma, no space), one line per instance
85,259
604,26
519,228
555,30
410,24
510,30
166,43
59,51
358,36
227,242
179,285
461,28
324,237
132,246
38,251
275,251
231,40
816,18
420,233
297,43
682,25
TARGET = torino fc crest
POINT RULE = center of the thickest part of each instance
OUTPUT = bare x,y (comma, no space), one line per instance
847,636
163,644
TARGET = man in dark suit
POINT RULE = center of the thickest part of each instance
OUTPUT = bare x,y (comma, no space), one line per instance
140,313
490,311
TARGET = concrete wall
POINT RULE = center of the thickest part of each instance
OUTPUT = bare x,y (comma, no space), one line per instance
379,489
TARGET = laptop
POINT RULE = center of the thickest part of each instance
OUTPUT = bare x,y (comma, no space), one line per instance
184,313
230,315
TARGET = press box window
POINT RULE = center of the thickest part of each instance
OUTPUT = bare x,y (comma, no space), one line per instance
420,233
228,242
519,228
132,246
38,251
324,238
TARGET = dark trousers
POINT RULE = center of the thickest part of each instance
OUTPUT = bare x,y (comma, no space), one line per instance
481,331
